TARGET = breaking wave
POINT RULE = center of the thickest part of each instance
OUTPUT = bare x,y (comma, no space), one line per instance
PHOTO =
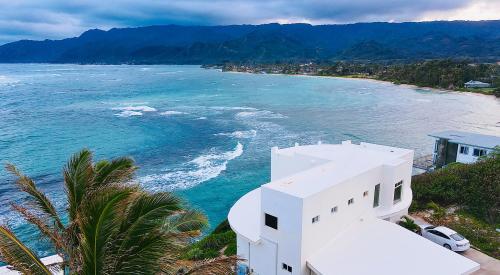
259,114
171,113
240,134
194,172
142,108
128,113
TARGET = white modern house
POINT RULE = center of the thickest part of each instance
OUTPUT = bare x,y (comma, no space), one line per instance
463,147
476,84
329,209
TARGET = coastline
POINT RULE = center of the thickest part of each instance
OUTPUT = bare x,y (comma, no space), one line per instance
411,86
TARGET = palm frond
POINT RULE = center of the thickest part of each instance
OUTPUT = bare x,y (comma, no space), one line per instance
49,232
20,257
78,176
141,242
219,266
118,170
99,219
189,221
41,202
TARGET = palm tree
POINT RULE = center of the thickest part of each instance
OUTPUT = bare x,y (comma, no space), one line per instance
113,227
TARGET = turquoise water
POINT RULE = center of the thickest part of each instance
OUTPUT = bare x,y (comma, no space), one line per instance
202,133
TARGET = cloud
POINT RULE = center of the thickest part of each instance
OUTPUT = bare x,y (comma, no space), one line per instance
55,19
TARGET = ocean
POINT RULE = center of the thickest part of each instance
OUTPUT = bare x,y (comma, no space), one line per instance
203,134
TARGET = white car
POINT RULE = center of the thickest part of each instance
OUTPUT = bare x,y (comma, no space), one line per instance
445,237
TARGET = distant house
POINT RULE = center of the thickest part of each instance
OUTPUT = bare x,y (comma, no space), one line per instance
463,147
330,209
476,84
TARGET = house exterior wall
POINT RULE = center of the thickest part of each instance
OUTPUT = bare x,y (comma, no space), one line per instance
469,157
297,237
288,236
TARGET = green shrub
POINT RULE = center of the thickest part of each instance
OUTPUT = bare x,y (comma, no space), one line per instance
474,187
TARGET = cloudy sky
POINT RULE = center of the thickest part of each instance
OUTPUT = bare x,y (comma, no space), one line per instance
55,19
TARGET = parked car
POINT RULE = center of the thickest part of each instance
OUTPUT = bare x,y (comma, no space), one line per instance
445,237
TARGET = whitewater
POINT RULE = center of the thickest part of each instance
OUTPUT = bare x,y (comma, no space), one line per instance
203,134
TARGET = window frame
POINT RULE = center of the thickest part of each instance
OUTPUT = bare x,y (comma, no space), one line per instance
398,186
334,209
350,201
464,150
480,152
315,219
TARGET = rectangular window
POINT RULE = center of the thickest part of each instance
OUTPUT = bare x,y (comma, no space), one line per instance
334,209
315,219
464,150
350,201
376,195
479,152
398,191
365,194
271,221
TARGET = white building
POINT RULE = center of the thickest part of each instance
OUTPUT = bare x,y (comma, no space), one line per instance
327,211
476,84
463,147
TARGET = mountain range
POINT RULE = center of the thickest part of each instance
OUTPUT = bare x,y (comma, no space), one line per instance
267,43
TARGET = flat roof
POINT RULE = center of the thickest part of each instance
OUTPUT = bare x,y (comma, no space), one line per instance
244,217
54,259
342,162
472,139
389,249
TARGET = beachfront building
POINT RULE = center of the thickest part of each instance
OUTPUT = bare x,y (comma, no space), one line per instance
476,84
463,147
329,209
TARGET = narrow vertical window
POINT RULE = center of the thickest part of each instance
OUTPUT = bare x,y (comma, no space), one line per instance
350,201
334,209
365,194
398,191
376,195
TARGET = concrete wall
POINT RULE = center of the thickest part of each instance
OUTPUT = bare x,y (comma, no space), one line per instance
288,210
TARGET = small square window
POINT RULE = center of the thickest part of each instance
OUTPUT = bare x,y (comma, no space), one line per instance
315,219
365,194
335,209
350,201
289,269
271,221
284,266
464,150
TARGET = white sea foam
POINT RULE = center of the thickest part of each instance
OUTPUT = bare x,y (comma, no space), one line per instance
7,80
237,108
259,114
128,113
141,108
194,172
172,113
240,134
201,118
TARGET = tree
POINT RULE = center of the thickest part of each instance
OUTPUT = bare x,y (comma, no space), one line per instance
408,223
114,226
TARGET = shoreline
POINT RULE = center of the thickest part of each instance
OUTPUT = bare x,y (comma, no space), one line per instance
411,86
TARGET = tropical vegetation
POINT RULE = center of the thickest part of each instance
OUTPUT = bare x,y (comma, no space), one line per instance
464,197
110,226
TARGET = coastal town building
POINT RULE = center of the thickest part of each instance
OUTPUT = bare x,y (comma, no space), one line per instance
463,147
330,209
476,84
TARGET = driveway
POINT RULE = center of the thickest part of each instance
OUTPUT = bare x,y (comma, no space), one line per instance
488,265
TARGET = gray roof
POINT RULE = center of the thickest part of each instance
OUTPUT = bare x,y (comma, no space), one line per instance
472,139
